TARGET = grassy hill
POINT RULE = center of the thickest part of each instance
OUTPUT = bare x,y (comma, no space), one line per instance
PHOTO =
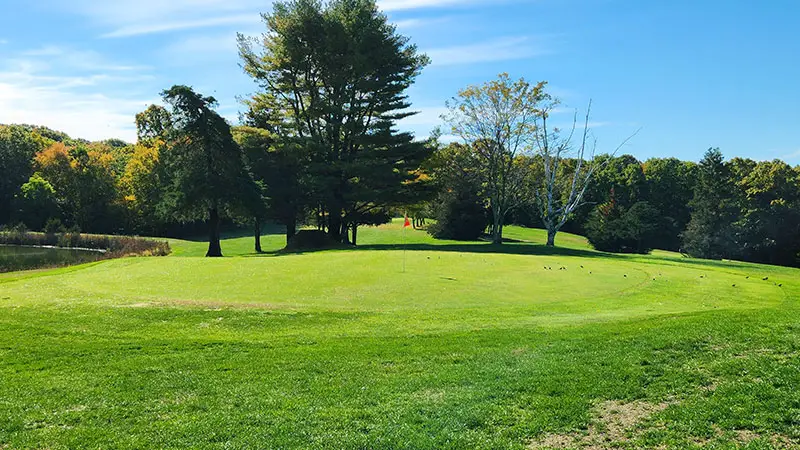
473,346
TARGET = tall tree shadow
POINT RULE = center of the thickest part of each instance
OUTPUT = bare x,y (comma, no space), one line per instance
268,229
519,248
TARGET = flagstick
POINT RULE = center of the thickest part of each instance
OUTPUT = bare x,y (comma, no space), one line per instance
404,243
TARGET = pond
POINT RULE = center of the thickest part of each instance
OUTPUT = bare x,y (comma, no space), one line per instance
13,258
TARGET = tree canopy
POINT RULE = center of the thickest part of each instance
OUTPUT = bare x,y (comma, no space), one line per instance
334,77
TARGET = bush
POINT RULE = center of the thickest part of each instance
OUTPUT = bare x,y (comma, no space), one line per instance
54,226
611,229
312,240
460,215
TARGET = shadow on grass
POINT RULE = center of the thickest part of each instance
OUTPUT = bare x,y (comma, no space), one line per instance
476,247
236,233
506,249
717,264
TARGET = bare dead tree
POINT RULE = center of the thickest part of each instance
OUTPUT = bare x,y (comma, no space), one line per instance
497,120
560,192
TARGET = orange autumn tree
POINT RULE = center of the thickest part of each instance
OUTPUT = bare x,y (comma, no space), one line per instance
84,184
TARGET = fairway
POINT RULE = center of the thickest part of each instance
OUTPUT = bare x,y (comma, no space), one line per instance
472,346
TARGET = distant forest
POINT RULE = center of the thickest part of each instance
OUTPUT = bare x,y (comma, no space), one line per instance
320,144
739,209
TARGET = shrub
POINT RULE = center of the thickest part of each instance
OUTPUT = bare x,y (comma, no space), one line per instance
312,240
612,229
460,215
54,226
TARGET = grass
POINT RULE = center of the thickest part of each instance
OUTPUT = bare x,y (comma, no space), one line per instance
474,346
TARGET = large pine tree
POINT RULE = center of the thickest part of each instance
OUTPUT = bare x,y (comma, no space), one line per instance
710,232
206,167
338,73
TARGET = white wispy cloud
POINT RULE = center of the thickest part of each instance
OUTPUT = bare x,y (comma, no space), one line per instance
407,24
399,5
3,41
203,47
204,44
163,27
73,91
127,18
501,49
53,56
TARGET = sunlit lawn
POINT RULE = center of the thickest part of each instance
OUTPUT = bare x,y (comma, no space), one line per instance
473,346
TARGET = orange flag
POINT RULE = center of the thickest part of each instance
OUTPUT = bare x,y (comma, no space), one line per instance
407,222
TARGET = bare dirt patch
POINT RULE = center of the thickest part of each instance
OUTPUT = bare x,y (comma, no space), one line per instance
217,305
137,305
614,424
744,438
207,305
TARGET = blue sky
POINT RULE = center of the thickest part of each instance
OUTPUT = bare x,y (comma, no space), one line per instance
691,74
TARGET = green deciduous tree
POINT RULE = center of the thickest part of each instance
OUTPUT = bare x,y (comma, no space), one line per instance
670,189
459,208
615,228
153,123
498,119
768,229
18,146
36,202
84,183
140,186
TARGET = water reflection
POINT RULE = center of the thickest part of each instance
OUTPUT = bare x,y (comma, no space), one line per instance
13,258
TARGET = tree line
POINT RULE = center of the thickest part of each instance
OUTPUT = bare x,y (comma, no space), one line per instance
318,144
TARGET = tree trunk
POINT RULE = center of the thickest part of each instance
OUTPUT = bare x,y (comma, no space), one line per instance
497,228
291,229
214,248
257,232
498,234
355,234
335,225
551,237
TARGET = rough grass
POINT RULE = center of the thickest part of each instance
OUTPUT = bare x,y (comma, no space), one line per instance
474,346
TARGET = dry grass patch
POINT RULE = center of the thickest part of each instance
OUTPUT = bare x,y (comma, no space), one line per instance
613,425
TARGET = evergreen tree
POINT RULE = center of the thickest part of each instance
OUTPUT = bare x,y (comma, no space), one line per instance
205,165
710,232
337,73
